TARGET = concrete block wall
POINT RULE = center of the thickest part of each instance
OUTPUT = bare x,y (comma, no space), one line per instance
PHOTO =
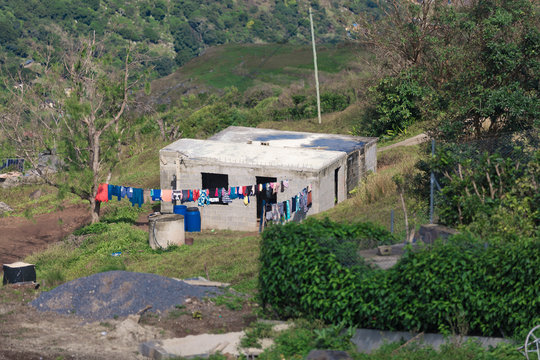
325,191
370,152
236,215
354,170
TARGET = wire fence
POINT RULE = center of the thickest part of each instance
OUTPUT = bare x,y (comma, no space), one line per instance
12,164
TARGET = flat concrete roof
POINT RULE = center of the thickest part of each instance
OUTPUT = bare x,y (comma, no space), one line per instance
254,155
294,139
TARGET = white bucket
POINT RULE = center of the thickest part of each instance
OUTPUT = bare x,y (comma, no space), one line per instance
165,230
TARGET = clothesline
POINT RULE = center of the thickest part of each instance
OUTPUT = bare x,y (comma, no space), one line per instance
219,194
222,195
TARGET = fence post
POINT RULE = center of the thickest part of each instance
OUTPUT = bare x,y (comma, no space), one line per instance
431,185
392,221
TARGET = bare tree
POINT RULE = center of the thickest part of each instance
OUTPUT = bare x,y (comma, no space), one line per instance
78,109
403,33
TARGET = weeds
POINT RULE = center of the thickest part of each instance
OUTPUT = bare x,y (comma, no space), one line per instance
230,257
254,333
52,277
177,312
230,300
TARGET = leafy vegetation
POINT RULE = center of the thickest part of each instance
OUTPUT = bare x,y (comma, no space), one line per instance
172,32
470,69
305,265
304,336
492,195
465,285
254,333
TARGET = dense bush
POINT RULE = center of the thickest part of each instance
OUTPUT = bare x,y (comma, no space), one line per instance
465,285
462,286
305,268
493,195
396,104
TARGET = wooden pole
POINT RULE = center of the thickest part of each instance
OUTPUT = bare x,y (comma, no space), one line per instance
315,62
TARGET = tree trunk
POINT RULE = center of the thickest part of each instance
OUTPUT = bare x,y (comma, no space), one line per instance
95,207
405,214
94,163
161,128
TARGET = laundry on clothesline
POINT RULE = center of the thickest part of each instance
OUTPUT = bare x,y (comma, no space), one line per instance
18,163
105,193
276,212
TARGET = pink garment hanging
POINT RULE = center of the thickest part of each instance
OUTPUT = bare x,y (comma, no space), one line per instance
166,195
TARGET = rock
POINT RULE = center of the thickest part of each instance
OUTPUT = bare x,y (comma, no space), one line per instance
35,194
4,207
430,232
328,355
10,179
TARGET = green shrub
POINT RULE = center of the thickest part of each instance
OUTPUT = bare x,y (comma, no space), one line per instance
122,213
304,336
96,228
396,104
462,286
305,268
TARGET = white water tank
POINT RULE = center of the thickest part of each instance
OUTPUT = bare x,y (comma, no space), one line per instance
165,230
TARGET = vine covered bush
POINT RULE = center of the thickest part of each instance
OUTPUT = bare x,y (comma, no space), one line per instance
306,268
462,286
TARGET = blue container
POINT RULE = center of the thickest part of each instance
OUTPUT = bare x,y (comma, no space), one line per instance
193,219
181,210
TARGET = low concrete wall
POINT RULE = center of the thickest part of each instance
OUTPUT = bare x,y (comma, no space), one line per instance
367,340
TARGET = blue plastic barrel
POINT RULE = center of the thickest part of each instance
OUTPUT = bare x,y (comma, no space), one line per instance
193,219
182,210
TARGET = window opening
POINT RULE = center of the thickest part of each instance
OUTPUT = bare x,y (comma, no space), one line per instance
212,181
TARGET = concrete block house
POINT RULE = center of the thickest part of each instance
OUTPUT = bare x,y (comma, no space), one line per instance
329,165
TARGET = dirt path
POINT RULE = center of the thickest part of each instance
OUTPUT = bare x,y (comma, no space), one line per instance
20,237
415,140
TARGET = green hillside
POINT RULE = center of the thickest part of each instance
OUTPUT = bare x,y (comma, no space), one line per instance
170,32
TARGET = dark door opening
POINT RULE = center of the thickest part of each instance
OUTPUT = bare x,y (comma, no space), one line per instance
212,181
336,187
262,195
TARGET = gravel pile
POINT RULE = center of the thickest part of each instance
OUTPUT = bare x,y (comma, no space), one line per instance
119,293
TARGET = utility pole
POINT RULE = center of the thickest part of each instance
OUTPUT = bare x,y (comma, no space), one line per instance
315,62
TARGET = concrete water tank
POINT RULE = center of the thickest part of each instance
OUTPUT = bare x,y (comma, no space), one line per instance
166,230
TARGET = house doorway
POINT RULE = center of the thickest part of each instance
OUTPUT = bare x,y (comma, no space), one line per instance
336,185
261,196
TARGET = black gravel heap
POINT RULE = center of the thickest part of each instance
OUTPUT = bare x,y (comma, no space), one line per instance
119,293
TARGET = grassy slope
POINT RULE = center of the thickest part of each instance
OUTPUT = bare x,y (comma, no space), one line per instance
227,256
18,198
377,196
231,257
245,66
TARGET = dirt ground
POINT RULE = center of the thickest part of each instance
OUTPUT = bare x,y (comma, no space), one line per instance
26,333
20,237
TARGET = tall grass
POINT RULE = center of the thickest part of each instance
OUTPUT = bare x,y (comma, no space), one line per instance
379,185
375,198
18,198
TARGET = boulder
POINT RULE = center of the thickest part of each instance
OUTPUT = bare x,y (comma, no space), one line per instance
35,194
4,207
328,355
428,233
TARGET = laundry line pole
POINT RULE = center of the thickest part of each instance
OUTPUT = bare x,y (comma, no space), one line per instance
315,62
